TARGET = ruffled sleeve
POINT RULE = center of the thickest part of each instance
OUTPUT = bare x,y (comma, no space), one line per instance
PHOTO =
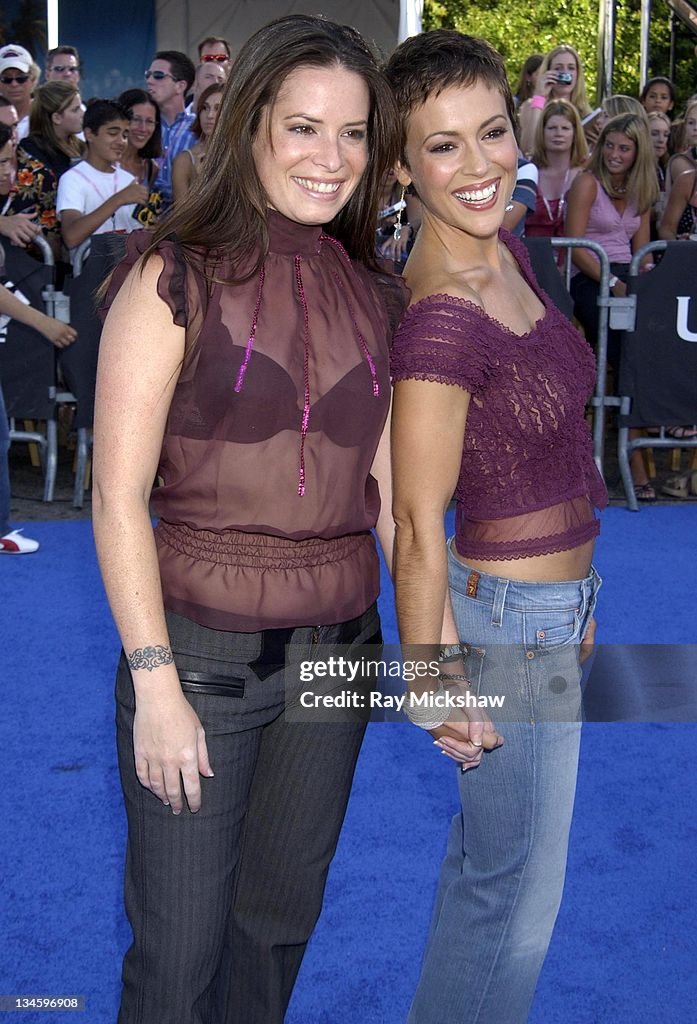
171,284
445,339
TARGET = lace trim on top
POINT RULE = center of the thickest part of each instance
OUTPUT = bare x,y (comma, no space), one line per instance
527,448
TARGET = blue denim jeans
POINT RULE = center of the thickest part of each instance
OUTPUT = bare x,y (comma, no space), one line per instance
4,470
501,881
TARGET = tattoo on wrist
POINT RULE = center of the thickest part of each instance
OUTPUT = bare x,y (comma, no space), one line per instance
150,657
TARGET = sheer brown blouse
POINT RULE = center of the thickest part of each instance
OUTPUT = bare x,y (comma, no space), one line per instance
267,503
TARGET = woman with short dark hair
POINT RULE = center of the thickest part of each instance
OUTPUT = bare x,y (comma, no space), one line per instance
490,386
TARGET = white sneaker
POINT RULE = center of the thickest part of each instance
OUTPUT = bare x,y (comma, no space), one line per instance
15,544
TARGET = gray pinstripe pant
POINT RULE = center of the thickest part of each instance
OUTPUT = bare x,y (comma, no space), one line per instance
223,902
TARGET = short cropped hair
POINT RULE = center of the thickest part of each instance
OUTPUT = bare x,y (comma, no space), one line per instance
426,64
213,39
101,112
182,68
69,51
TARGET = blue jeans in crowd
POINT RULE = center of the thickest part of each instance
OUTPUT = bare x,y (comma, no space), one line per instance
501,881
4,470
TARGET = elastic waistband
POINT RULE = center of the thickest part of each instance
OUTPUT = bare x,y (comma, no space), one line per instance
520,594
258,550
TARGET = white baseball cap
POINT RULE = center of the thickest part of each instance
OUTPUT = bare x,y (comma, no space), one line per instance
12,55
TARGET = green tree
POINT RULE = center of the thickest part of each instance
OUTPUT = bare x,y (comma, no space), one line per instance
517,30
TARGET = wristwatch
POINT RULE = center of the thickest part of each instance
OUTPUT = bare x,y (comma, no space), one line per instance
613,281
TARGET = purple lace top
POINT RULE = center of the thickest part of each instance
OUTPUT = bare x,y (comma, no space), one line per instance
267,502
527,481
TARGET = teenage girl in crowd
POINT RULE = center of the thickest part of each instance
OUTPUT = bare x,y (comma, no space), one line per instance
47,153
685,155
679,220
528,75
560,77
559,152
245,362
188,163
610,203
658,96
659,132
491,382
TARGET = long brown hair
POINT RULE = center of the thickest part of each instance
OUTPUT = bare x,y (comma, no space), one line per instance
49,99
225,216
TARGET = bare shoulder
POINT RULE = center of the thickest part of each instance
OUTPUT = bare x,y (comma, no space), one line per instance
584,186
435,281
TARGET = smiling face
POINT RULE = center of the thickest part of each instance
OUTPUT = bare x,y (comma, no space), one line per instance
311,149
462,158
142,124
69,120
658,98
107,145
558,134
619,154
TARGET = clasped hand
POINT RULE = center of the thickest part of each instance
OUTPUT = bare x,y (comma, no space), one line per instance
467,733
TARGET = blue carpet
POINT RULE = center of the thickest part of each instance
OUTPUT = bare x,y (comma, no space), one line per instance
624,949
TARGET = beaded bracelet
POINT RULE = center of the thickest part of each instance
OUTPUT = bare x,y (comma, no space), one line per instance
424,716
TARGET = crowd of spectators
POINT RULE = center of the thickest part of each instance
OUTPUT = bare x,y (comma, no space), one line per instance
70,170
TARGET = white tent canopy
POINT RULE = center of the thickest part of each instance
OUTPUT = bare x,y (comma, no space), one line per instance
181,24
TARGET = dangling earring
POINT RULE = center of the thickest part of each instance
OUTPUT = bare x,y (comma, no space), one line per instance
509,205
398,223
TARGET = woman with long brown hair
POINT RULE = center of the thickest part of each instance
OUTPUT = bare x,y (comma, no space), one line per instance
187,164
245,362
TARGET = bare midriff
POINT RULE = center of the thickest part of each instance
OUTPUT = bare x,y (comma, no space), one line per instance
558,567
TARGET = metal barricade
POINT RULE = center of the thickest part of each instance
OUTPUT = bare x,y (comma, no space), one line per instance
606,303
92,261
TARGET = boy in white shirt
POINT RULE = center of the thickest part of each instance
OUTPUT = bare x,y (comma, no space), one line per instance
97,195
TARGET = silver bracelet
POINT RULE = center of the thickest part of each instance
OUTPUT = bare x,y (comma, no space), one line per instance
427,716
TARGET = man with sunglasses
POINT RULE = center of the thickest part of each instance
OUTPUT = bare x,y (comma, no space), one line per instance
215,51
18,76
169,77
63,64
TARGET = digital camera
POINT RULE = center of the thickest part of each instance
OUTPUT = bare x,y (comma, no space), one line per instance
565,77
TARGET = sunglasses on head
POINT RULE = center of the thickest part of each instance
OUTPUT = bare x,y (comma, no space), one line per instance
219,57
9,79
159,75
61,68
